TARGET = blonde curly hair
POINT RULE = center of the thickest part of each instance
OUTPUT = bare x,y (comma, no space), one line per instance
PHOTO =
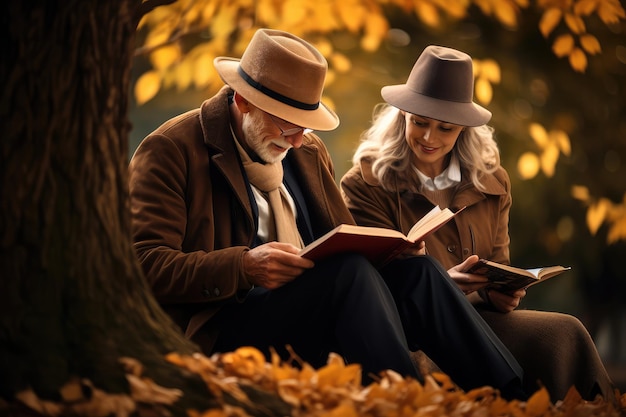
384,144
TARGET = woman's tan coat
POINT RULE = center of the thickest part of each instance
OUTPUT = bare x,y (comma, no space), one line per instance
371,205
555,350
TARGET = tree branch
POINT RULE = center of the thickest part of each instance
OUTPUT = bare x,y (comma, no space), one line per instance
148,5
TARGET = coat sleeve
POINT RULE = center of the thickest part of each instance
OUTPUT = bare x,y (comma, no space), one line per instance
501,248
159,178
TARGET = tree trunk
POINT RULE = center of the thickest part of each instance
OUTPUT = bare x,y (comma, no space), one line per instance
73,300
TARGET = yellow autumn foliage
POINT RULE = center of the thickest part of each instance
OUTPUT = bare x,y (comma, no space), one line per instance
602,211
336,390
551,144
575,23
590,44
147,86
578,60
539,134
549,20
164,57
483,90
528,165
230,23
563,45
228,26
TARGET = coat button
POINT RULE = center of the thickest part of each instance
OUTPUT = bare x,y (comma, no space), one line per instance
466,251
206,292
216,292
451,248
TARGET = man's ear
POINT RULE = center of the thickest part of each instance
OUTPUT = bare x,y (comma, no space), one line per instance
241,103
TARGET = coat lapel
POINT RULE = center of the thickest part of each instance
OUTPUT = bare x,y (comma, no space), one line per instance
222,152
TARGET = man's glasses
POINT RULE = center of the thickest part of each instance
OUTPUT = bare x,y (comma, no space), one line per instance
289,132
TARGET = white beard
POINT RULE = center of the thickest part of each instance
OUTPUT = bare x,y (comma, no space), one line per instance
253,126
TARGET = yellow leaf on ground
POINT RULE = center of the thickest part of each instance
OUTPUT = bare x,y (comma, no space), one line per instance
345,409
538,403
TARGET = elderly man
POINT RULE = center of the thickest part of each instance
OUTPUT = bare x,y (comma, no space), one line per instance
223,197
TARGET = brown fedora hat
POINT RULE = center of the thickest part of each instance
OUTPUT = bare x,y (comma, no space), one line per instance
282,75
440,86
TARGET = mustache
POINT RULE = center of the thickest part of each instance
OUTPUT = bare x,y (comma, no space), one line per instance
282,144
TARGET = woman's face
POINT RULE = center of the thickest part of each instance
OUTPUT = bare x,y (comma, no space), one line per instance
431,141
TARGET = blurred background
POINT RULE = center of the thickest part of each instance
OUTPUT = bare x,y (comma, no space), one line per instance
561,130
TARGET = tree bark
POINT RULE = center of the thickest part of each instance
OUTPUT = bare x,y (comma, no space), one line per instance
73,300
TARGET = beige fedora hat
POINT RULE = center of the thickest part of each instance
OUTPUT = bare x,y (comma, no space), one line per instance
282,75
440,86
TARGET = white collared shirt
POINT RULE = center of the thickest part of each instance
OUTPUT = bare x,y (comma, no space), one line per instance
450,176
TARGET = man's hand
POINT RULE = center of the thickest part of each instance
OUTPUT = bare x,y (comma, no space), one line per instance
418,249
274,264
468,283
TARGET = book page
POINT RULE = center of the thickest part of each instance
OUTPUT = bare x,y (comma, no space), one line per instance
422,222
432,221
535,271
550,271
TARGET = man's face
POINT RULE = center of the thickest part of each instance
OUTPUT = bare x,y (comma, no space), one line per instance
263,134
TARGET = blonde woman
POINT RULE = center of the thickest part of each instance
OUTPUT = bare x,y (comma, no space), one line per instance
429,144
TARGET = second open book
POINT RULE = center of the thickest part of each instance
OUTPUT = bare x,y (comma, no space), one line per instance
509,278
378,244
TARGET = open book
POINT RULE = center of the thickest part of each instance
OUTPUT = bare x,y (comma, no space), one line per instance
378,244
509,278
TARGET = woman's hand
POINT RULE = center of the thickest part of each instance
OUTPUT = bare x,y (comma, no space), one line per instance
504,302
468,283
